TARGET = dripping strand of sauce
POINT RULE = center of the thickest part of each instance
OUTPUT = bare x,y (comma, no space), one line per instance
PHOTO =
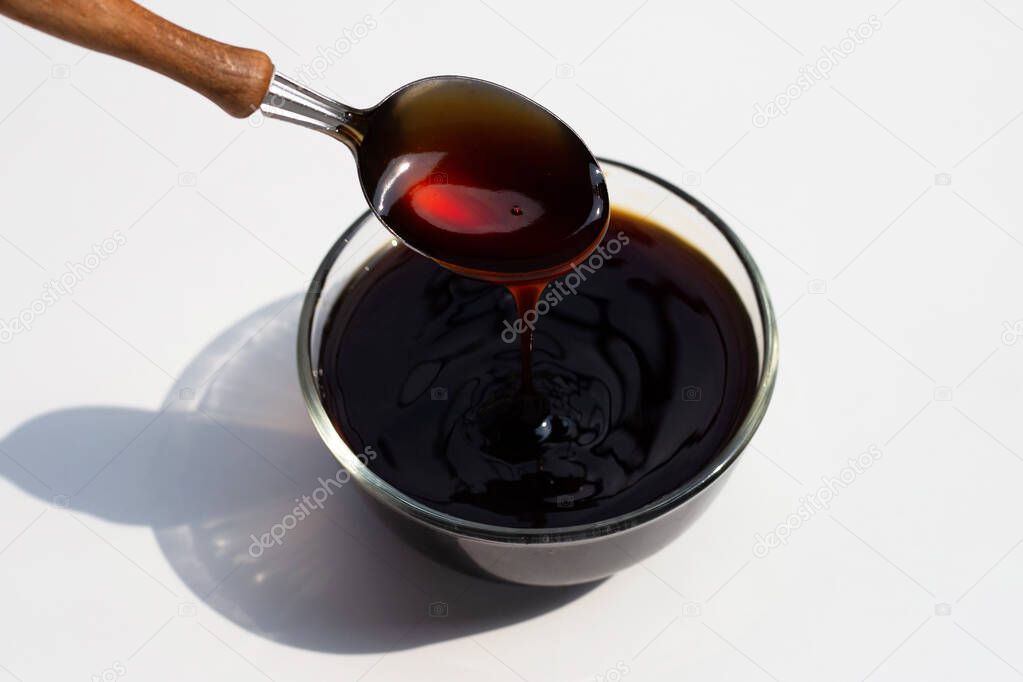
526,296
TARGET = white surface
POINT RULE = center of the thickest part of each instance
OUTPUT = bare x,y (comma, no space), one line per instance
127,504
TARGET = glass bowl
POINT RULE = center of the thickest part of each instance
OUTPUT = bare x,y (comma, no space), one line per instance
557,555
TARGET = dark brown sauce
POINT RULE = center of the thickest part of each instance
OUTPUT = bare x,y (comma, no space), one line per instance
644,365
483,180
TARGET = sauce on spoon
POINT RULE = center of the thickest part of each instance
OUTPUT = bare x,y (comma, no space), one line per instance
482,180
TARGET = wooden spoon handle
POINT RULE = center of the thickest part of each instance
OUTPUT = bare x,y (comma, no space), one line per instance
234,78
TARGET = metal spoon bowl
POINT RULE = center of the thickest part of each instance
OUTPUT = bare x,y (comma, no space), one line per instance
467,172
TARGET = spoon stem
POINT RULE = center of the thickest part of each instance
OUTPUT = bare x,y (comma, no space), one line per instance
237,79
290,101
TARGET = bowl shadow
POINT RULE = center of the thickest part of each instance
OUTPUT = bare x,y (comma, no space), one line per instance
230,455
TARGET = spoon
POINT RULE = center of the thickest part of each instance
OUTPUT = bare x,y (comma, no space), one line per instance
480,178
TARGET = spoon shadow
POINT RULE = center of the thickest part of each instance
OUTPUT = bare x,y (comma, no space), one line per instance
224,461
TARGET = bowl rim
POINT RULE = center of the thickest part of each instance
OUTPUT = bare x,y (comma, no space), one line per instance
453,525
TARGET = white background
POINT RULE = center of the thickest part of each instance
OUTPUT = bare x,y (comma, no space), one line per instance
151,419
